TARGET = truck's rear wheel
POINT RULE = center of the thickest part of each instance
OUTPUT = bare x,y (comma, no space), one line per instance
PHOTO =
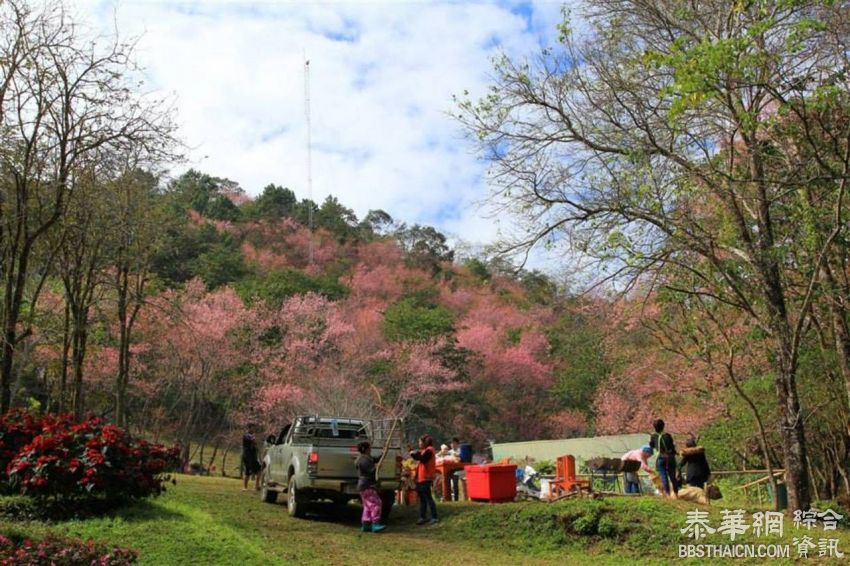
295,503
387,501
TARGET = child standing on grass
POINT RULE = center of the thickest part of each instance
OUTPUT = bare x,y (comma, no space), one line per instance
426,470
367,486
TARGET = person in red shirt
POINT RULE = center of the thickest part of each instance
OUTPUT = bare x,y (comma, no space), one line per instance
426,470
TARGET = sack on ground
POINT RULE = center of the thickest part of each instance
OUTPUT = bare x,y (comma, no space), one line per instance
695,494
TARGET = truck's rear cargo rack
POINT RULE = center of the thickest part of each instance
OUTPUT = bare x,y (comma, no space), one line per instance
381,433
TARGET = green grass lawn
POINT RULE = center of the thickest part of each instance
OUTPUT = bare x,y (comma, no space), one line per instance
210,521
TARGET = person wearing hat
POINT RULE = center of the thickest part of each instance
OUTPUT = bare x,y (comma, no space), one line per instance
641,455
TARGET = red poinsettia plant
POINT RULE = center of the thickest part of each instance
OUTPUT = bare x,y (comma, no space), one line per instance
64,458
17,429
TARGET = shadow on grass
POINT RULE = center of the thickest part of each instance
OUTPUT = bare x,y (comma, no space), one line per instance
401,515
22,508
146,510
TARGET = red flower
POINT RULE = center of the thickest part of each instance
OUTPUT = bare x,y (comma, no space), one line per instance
65,458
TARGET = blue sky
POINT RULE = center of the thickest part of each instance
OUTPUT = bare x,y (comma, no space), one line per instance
382,76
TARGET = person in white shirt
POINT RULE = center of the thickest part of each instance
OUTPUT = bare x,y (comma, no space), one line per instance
455,476
641,455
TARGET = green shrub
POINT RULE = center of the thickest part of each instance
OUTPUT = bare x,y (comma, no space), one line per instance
587,524
406,320
278,286
607,528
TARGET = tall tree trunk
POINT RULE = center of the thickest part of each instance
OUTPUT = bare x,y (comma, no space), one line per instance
787,341
10,319
188,425
66,348
126,319
224,461
215,451
6,370
13,298
841,332
123,351
78,356
793,436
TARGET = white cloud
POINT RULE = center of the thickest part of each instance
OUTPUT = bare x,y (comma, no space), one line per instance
382,75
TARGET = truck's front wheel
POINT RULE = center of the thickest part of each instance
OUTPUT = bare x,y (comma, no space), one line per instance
268,495
295,503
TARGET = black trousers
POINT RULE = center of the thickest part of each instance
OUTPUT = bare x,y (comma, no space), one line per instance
426,500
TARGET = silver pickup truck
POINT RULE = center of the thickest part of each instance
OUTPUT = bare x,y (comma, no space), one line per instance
313,460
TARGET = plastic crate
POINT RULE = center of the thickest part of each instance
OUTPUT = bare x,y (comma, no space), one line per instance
491,483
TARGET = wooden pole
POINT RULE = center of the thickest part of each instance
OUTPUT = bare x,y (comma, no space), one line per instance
386,450
759,481
741,472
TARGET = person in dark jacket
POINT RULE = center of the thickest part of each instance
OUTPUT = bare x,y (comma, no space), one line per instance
694,464
426,470
367,486
662,442
250,458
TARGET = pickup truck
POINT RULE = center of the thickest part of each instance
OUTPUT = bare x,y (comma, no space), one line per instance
313,459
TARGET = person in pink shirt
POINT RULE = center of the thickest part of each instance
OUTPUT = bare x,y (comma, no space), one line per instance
641,455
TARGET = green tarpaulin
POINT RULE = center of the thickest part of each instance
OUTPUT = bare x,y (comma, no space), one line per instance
582,448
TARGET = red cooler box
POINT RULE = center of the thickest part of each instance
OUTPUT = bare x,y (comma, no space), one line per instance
493,483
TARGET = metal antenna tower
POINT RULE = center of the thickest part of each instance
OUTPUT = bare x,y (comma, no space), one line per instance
309,154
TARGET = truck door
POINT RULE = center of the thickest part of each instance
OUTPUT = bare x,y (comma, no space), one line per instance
285,459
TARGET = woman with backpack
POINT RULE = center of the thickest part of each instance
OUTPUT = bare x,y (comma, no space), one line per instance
666,462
